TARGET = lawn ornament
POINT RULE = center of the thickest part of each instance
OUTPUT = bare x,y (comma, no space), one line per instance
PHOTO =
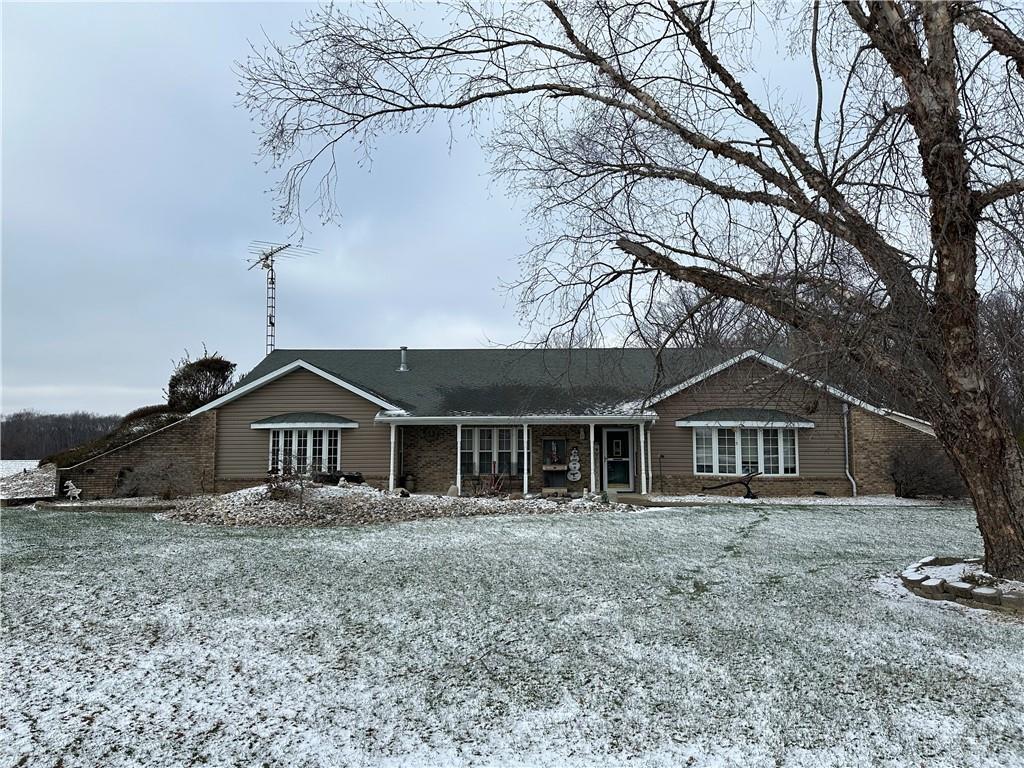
72,491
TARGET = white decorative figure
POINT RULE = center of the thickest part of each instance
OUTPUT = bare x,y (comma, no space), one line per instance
573,475
72,491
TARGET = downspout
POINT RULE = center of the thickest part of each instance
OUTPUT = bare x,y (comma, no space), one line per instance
846,446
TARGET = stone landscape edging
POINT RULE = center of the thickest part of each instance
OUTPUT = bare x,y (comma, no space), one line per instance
921,584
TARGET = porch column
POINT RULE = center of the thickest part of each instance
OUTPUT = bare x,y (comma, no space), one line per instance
526,459
643,461
458,458
391,465
593,460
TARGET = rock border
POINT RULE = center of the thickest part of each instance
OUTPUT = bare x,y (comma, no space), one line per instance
973,596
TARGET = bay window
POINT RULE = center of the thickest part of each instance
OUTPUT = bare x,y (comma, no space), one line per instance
303,450
744,450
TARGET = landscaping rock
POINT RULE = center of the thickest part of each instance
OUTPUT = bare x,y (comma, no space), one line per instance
1013,600
932,587
913,579
959,588
988,595
453,491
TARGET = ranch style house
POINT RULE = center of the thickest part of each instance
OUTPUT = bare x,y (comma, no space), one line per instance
553,421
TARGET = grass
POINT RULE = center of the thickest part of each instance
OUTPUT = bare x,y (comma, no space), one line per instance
710,636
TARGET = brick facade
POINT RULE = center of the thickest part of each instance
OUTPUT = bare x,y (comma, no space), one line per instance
875,441
764,487
186,448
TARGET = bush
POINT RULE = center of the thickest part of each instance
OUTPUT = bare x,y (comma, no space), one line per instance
925,471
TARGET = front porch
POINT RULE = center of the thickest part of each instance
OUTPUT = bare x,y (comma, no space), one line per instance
551,457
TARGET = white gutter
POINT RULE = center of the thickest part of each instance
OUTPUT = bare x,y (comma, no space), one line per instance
607,418
846,446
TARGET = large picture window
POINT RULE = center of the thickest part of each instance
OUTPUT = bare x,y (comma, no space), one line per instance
493,450
303,450
741,451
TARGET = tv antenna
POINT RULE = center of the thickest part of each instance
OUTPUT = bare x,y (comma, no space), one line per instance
263,254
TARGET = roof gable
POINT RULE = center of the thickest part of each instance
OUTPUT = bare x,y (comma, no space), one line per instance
250,384
760,357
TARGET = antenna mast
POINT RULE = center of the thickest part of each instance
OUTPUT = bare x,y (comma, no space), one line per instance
263,254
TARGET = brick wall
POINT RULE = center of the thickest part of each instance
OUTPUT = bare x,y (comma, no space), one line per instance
428,453
571,434
875,440
764,487
186,447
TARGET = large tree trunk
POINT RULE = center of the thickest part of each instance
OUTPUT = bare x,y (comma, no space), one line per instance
991,463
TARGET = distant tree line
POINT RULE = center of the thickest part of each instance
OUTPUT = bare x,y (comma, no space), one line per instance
32,435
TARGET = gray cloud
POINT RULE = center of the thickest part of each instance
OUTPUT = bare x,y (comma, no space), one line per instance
130,192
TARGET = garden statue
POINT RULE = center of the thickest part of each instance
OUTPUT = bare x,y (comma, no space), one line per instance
72,491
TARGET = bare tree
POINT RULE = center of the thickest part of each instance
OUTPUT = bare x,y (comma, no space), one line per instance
869,219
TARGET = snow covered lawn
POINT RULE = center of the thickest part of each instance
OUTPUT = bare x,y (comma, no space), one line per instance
741,636
26,480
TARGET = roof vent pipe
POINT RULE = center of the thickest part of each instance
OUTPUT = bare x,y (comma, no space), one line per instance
404,366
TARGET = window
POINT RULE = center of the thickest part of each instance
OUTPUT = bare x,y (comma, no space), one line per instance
318,448
302,450
704,451
485,451
275,450
467,455
333,450
788,451
301,443
287,457
492,450
727,451
769,451
749,451
504,451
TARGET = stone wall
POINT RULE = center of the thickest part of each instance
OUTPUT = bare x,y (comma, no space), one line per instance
875,440
185,449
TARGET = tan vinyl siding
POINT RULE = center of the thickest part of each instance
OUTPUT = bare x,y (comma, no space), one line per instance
750,384
243,452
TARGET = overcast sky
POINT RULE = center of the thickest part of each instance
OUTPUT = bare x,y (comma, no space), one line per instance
130,192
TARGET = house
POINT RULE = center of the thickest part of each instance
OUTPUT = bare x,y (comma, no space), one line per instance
529,420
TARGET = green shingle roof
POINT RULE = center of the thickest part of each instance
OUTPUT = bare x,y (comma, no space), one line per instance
505,382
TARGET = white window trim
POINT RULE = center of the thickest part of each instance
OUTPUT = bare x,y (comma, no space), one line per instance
272,464
514,463
739,452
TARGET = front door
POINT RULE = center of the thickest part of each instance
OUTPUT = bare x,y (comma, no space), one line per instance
617,447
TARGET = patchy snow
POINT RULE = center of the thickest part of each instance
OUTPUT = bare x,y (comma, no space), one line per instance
355,504
29,482
722,636
12,466
813,501
970,572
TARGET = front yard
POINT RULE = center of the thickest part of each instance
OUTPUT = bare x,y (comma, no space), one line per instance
747,636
